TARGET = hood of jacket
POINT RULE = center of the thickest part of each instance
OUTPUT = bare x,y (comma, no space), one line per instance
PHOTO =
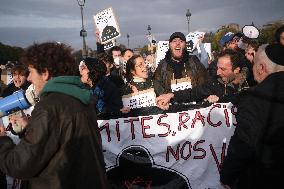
69,85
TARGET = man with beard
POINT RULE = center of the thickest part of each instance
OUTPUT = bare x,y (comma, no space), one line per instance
235,41
229,82
178,65
256,150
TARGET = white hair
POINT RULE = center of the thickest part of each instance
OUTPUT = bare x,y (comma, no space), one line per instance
271,66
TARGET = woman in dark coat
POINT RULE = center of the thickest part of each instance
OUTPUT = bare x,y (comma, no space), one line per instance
109,104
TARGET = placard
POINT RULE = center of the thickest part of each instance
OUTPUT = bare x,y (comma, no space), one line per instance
181,84
192,40
163,47
109,45
107,25
140,99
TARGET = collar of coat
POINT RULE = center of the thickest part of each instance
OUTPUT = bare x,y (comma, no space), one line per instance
69,85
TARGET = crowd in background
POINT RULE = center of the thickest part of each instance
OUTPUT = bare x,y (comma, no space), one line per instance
117,72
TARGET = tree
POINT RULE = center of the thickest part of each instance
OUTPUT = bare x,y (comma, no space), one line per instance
9,53
218,35
267,33
144,50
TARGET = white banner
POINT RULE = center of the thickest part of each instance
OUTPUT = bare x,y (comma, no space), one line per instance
140,99
174,150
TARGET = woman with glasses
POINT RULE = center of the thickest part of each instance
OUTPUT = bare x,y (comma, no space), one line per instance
137,76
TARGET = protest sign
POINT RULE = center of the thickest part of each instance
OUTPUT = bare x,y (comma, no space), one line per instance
192,40
140,99
107,25
163,47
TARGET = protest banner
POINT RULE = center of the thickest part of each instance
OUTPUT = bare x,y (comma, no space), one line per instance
174,150
178,150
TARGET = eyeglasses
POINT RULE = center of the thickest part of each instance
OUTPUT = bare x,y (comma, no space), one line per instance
140,65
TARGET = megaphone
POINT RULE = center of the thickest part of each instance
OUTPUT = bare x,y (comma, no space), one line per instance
19,100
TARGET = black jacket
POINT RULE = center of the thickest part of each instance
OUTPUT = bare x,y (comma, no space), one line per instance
61,147
189,66
256,150
108,102
11,88
215,86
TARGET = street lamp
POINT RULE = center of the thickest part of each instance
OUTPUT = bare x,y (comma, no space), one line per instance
149,29
150,47
127,40
83,32
188,15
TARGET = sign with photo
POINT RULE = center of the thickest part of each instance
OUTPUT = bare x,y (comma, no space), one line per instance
207,47
192,40
163,47
107,25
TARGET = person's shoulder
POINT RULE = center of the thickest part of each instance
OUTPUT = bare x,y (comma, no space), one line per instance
247,97
109,84
10,86
57,99
26,85
8,90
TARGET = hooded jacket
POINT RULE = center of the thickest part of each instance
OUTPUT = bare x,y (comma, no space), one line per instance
256,150
62,146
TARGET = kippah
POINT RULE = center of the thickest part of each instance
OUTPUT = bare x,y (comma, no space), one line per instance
275,52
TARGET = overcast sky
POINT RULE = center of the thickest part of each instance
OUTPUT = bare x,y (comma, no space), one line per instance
23,22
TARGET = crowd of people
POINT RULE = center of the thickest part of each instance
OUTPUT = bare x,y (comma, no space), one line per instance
62,131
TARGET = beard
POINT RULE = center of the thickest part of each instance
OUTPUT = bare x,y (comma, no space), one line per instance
177,55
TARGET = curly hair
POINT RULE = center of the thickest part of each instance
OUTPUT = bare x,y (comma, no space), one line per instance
54,57
105,58
97,69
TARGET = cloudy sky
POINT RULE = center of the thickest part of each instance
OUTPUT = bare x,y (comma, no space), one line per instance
24,21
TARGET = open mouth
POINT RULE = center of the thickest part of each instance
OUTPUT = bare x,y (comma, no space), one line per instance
17,82
178,49
145,71
177,52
